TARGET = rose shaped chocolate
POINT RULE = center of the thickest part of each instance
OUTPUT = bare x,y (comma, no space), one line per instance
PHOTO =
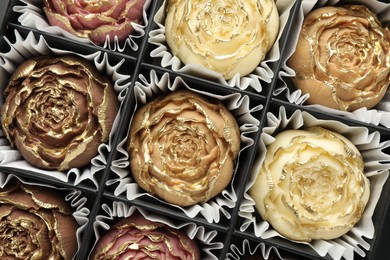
183,147
36,223
342,58
95,19
229,37
58,111
138,238
311,185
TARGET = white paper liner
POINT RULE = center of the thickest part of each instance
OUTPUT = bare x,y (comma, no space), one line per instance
376,164
118,210
380,114
73,197
262,73
246,249
33,16
238,106
23,49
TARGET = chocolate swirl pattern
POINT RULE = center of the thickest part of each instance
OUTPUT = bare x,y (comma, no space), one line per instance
138,238
183,147
342,58
311,185
228,37
35,223
95,19
58,111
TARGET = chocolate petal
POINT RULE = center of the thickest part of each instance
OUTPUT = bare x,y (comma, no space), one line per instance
19,198
117,9
122,30
95,6
59,6
90,22
47,198
134,10
65,232
62,22
138,238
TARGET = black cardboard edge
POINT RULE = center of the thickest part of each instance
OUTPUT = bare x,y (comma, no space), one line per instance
382,236
4,12
46,179
380,249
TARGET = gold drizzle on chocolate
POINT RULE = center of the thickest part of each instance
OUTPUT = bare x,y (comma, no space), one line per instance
95,19
57,111
220,34
183,147
311,185
136,237
30,231
349,52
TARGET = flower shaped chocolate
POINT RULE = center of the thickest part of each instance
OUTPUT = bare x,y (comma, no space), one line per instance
183,147
58,111
311,185
95,19
35,223
228,37
342,58
138,238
